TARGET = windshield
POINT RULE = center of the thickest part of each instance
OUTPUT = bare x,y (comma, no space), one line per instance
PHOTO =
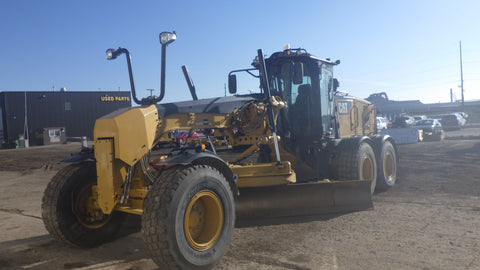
300,116
309,110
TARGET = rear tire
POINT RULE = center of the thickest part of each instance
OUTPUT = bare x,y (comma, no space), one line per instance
188,218
65,210
356,163
387,166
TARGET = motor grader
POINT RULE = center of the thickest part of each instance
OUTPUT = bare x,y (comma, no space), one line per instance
294,148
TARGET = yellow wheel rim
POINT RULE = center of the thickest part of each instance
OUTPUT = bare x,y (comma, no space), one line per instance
86,209
203,220
388,166
367,172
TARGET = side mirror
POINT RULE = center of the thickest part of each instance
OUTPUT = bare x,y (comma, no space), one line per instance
298,73
336,84
232,84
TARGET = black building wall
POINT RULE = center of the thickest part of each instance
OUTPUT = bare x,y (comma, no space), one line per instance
2,119
76,111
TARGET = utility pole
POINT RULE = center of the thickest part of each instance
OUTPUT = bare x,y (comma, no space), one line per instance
461,76
451,95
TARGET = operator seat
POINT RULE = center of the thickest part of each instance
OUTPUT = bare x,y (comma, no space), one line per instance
303,100
301,111
301,122
304,93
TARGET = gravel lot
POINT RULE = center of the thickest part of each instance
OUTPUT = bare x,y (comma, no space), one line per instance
429,220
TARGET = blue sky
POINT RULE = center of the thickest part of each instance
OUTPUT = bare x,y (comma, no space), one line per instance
408,49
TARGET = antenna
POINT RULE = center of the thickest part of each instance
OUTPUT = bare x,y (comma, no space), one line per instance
151,91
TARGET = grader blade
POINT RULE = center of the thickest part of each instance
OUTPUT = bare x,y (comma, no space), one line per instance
304,199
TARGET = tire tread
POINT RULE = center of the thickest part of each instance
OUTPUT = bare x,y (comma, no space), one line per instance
156,213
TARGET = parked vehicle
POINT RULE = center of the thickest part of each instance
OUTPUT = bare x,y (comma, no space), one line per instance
450,122
403,122
461,120
432,128
419,117
464,115
381,123
183,136
389,124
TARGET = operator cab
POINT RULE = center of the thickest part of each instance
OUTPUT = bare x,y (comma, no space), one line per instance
306,84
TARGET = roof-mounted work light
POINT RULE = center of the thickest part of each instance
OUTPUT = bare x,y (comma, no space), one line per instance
113,54
167,37
110,53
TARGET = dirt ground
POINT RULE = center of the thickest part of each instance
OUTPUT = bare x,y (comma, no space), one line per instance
429,220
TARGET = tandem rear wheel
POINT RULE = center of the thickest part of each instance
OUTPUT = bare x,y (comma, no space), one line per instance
188,218
356,162
387,165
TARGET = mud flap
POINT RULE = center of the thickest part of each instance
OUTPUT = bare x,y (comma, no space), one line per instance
304,199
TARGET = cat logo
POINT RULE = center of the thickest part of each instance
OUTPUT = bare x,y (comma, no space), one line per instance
344,106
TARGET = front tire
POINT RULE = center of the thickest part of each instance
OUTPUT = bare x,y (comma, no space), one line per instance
68,208
188,218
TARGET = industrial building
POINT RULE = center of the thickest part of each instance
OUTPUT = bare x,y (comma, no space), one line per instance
48,117
394,108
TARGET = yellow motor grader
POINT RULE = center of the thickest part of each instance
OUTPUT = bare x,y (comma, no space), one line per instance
294,148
